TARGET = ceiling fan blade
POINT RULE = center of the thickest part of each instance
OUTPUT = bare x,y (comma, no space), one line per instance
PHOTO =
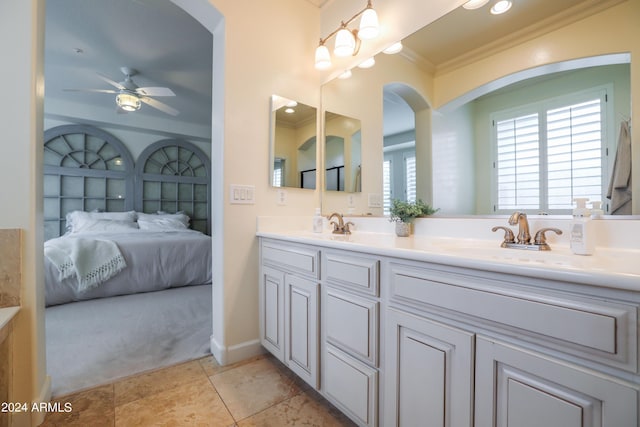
155,91
111,82
159,105
92,90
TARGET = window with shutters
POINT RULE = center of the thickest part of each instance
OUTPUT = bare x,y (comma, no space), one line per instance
399,174
548,153
278,172
386,187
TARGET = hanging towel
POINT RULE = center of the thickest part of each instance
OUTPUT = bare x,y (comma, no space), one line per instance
620,184
91,261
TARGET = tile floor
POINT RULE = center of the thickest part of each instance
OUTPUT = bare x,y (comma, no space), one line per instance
256,392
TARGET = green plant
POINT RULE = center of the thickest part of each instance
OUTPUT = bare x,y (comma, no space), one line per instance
402,211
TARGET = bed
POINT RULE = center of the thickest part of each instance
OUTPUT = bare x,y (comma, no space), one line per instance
145,226
155,212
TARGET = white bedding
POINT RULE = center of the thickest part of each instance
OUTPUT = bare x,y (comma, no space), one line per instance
155,261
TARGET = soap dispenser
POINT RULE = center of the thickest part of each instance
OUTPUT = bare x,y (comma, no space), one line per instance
596,210
581,237
317,221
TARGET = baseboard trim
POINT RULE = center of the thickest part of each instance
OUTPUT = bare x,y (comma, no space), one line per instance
235,353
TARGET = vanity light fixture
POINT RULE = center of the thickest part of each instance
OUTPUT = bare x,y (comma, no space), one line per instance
501,7
348,40
128,102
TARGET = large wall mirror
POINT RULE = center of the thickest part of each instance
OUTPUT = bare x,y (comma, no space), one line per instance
293,144
430,134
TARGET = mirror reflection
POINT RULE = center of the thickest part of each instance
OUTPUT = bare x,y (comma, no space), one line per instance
293,144
343,147
447,141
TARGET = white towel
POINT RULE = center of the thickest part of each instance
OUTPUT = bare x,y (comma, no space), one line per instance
620,185
91,261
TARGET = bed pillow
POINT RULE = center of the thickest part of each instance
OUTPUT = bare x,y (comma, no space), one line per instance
76,219
179,216
161,223
103,225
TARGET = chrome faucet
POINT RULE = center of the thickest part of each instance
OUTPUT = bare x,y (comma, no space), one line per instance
520,218
340,227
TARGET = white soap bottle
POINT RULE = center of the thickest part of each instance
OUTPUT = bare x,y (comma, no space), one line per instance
596,210
317,221
581,237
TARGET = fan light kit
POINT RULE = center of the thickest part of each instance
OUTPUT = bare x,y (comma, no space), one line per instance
347,40
129,96
128,102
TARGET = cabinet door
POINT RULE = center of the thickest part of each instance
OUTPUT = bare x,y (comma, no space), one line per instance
429,372
351,385
302,327
518,388
271,306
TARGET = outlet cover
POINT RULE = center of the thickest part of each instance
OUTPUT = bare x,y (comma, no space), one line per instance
281,197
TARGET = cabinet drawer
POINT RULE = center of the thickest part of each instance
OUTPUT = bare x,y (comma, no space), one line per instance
352,386
351,324
595,329
357,273
299,259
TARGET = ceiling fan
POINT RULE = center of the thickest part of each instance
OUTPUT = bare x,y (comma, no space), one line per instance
129,96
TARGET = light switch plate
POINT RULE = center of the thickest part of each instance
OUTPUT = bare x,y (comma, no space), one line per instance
242,194
375,200
281,197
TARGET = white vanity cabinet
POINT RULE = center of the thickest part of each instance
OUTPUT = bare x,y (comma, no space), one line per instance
519,355
350,333
393,341
289,298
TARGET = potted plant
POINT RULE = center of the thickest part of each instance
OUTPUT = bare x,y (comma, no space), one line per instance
403,213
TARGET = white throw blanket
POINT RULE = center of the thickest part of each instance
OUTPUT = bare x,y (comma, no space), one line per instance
91,261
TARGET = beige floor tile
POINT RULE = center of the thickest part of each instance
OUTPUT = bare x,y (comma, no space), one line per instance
193,404
93,407
144,385
253,387
301,410
211,366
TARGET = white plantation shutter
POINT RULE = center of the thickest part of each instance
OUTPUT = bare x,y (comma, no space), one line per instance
278,165
517,165
386,186
550,153
574,141
410,175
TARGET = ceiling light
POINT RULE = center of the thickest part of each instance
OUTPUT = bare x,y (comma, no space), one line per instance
289,110
128,102
367,63
394,48
347,74
501,7
348,40
475,4
292,103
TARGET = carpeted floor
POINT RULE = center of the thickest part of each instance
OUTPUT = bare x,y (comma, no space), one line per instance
97,341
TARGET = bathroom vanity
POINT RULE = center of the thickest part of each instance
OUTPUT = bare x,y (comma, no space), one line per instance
396,331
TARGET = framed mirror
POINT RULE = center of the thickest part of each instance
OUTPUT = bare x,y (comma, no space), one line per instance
342,153
442,94
293,144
